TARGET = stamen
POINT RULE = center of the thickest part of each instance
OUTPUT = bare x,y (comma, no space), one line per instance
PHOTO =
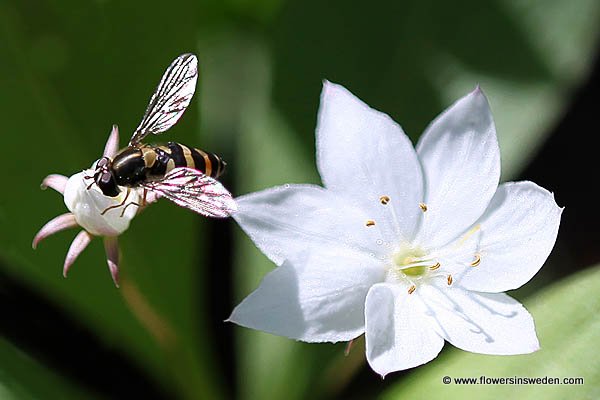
370,222
423,207
434,267
477,260
412,289
449,280
384,199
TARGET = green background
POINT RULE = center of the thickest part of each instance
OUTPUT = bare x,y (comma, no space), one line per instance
70,69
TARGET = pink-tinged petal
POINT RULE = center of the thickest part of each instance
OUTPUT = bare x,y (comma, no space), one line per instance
112,144
56,182
77,246
53,226
111,246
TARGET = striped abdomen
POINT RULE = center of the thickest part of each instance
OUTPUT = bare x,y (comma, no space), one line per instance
147,162
162,159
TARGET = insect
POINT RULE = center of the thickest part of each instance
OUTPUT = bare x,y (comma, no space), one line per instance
182,174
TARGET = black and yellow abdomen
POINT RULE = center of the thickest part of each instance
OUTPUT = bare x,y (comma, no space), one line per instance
133,165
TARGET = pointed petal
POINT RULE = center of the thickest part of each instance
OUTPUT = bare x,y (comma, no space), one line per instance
53,226
461,162
285,221
112,144
518,232
320,300
111,246
363,154
77,246
56,182
398,335
486,323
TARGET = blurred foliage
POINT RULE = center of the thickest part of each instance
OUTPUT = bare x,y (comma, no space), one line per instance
71,68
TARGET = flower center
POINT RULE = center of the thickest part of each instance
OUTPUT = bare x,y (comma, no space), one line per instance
412,265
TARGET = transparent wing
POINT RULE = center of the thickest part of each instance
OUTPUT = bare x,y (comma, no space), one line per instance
191,189
170,99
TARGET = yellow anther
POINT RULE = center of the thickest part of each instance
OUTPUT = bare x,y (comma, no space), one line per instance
449,280
436,266
477,261
370,222
384,199
412,289
423,207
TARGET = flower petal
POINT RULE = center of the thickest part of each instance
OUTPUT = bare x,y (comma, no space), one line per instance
461,162
487,323
56,182
518,232
284,221
112,144
319,300
90,206
398,334
111,247
363,154
53,226
77,246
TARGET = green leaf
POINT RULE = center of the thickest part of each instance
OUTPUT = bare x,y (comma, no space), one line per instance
566,320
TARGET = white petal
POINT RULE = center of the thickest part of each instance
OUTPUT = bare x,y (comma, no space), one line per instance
284,221
518,231
88,205
487,323
320,300
363,154
56,182
398,334
461,162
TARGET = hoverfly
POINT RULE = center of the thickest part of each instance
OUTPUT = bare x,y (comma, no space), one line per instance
182,174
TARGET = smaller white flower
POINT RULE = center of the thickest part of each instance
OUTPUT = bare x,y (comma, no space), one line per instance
87,205
408,246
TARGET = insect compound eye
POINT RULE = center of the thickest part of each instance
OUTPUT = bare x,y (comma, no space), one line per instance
102,163
106,178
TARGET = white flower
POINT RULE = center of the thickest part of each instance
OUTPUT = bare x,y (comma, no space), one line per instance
409,247
86,204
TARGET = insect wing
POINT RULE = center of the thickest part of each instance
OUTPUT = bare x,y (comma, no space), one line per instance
192,189
170,99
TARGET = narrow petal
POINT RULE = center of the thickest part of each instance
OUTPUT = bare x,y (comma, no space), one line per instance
111,246
518,232
461,162
284,221
398,335
53,226
77,246
112,144
364,155
56,182
487,323
320,300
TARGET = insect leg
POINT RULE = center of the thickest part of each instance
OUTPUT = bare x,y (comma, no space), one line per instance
121,204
